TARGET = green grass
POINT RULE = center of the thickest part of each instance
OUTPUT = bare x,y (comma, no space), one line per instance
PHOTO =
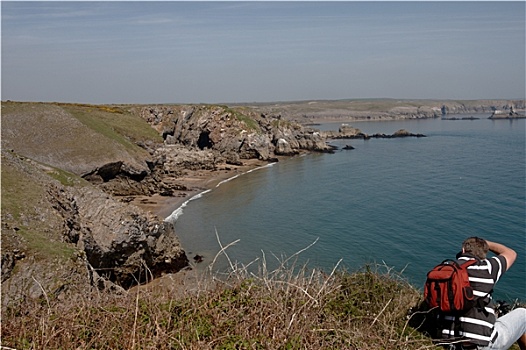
66,178
39,242
115,124
245,118
19,192
22,202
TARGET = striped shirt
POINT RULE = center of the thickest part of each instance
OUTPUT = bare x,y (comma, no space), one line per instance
477,323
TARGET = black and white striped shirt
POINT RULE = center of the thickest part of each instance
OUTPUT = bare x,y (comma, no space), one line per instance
477,323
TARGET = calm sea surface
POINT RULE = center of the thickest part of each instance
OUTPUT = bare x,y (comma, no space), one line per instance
406,203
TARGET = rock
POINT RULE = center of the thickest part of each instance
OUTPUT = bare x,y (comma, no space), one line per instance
283,148
8,264
348,132
405,133
401,133
227,131
123,244
505,114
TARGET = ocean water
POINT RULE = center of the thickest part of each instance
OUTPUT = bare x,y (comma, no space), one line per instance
404,203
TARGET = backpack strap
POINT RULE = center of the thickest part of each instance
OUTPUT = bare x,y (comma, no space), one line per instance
465,264
480,301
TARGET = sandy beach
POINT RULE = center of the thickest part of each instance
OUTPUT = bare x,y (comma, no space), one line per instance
196,181
189,280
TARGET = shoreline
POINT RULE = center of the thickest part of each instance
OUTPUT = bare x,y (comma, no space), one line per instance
196,182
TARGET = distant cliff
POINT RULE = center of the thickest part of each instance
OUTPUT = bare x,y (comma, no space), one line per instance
383,109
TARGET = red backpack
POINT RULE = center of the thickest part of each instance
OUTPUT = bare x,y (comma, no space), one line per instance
447,287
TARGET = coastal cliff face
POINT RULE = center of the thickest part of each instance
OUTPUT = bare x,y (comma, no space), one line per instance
69,170
233,133
61,236
384,109
202,137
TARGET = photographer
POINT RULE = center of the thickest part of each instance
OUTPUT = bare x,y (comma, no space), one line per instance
479,327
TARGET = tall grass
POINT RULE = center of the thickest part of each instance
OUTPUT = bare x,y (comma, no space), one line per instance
250,307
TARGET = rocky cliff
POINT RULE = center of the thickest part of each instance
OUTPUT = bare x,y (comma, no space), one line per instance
61,235
234,133
68,171
383,109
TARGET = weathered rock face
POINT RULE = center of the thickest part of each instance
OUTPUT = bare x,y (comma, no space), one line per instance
228,131
482,106
123,244
36,260
203,138
60,240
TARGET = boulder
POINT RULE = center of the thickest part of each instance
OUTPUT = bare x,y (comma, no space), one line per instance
123,244
283,147
349,131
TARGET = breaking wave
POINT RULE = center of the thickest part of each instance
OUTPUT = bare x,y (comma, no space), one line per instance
179,211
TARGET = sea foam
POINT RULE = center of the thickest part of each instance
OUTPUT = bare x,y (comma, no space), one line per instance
179,211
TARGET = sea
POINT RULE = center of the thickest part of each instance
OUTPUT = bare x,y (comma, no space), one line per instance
399,205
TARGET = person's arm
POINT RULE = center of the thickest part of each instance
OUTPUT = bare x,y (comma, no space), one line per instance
500,249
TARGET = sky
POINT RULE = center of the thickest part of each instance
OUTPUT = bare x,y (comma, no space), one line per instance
226,52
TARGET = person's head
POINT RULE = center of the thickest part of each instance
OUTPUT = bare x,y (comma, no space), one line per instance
475,246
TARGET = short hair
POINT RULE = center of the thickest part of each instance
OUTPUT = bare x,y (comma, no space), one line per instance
476,246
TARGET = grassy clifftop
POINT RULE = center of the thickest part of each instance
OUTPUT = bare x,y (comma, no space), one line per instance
288,308
73,137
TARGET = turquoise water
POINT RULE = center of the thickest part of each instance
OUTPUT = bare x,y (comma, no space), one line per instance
406,203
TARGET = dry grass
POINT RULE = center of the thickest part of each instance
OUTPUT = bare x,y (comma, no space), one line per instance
290,307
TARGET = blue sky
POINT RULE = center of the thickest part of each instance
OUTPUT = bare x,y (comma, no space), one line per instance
212,52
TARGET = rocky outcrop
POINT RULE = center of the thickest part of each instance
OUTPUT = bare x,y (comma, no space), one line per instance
59,240
349,132
508,113
123,245
481,106
202,138
232,133
37,258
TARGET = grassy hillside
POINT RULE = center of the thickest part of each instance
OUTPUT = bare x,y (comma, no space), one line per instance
29,222
43,146
76,138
